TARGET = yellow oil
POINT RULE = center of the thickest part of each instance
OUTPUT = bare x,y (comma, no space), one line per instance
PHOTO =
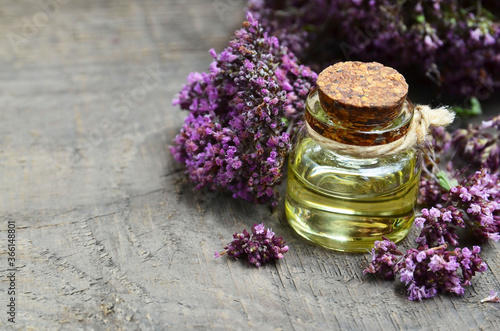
346,203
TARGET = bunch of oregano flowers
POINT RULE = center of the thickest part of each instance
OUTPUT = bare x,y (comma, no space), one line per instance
241,114
256,248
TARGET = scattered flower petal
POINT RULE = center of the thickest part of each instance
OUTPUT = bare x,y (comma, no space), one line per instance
493,297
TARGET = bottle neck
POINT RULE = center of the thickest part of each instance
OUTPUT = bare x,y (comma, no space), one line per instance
332,128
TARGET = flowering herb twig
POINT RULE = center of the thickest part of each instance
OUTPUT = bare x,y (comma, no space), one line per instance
427,271
258,248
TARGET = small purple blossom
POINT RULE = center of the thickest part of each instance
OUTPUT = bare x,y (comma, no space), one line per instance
437,263
258,248
259,228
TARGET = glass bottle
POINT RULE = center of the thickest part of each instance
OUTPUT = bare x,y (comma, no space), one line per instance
343,199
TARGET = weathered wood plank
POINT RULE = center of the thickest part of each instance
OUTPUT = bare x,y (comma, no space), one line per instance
111,236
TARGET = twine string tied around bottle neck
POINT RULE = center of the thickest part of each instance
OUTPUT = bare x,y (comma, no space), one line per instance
424,118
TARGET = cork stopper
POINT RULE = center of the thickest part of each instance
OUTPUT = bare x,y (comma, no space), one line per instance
362,95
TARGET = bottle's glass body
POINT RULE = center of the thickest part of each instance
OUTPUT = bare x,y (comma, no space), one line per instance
345,203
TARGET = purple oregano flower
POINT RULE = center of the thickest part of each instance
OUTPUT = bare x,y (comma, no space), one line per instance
237,134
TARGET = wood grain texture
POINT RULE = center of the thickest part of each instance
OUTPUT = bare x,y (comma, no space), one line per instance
110,234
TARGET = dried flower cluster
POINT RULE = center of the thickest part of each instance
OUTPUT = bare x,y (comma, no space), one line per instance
454,42
258,248
427,271
236,136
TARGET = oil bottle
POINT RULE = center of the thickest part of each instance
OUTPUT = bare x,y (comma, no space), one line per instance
352,178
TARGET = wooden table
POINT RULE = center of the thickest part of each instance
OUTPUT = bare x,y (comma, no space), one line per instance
109,233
